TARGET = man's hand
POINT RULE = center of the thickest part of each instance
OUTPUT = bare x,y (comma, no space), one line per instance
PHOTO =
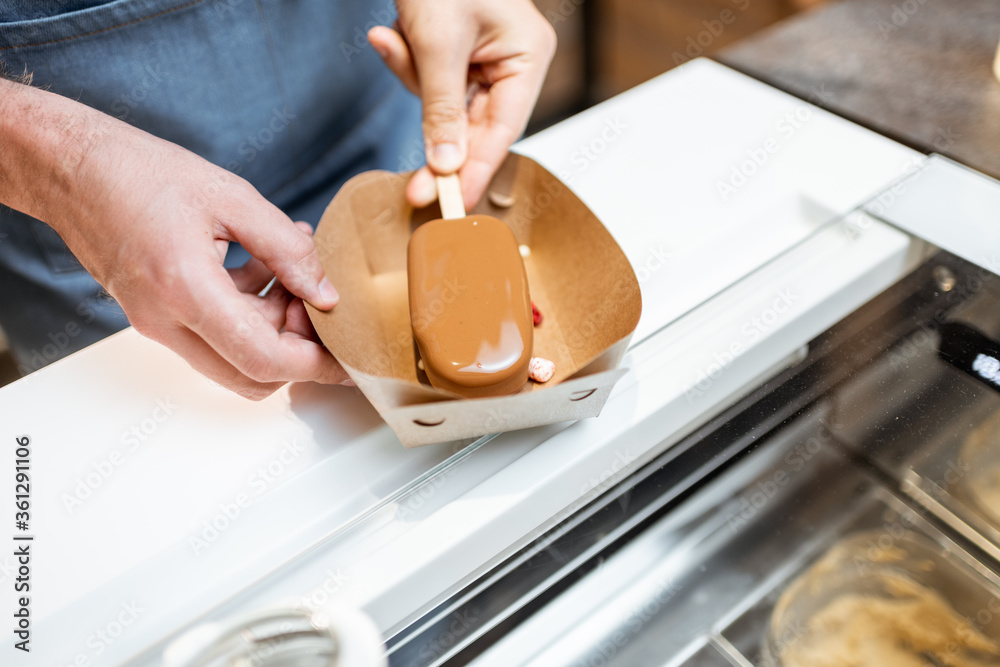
151,222
502,47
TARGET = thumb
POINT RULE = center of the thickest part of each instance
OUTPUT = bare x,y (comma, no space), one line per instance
443,81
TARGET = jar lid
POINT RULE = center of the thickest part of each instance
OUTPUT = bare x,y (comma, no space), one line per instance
287,637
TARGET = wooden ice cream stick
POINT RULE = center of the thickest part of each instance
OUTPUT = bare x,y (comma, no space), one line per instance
450,197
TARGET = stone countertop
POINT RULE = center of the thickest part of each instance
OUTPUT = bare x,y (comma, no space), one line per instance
918,71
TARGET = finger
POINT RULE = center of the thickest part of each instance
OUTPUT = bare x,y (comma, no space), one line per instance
497,122
241,334
421,191
442,64
270,236
271,306
252,277
297,322
209,363
394,50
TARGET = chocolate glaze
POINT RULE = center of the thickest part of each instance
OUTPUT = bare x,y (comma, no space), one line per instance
469,306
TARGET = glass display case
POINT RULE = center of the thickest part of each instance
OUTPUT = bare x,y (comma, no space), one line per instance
880,448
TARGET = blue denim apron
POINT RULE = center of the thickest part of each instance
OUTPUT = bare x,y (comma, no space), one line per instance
286,93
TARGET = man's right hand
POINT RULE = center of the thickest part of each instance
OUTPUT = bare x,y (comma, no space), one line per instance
151,222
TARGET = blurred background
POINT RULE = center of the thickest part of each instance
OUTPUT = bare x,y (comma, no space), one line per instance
609,46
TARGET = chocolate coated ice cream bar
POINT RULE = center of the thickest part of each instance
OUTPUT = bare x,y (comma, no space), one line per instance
469,305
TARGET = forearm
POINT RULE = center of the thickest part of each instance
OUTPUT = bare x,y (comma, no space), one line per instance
136,212
45,139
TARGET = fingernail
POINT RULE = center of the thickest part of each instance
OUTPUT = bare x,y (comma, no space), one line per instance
348,383
328,293
447,158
